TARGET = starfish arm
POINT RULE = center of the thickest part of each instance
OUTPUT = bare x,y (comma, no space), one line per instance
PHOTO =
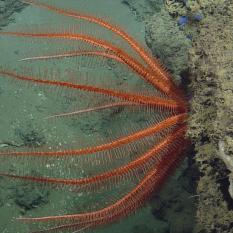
167,88
94,109
90,18
152,63
171,121
86,184
76,54
130,61
124,206
141,99
90,53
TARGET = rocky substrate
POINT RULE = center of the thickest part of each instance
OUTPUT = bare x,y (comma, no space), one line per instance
211,128
208,26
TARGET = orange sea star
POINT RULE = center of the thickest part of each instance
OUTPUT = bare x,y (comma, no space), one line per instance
152,166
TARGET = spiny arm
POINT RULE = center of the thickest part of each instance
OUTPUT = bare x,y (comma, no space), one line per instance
171,121
143,72
124,206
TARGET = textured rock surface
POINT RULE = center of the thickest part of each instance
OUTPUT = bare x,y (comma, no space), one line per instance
167,42
164,38
144,8
211,128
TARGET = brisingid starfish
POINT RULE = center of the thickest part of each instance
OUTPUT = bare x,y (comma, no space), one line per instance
168,132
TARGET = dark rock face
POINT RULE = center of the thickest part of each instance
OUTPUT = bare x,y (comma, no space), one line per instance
175,204
30,136
144,8
163,37
7,8
29,196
